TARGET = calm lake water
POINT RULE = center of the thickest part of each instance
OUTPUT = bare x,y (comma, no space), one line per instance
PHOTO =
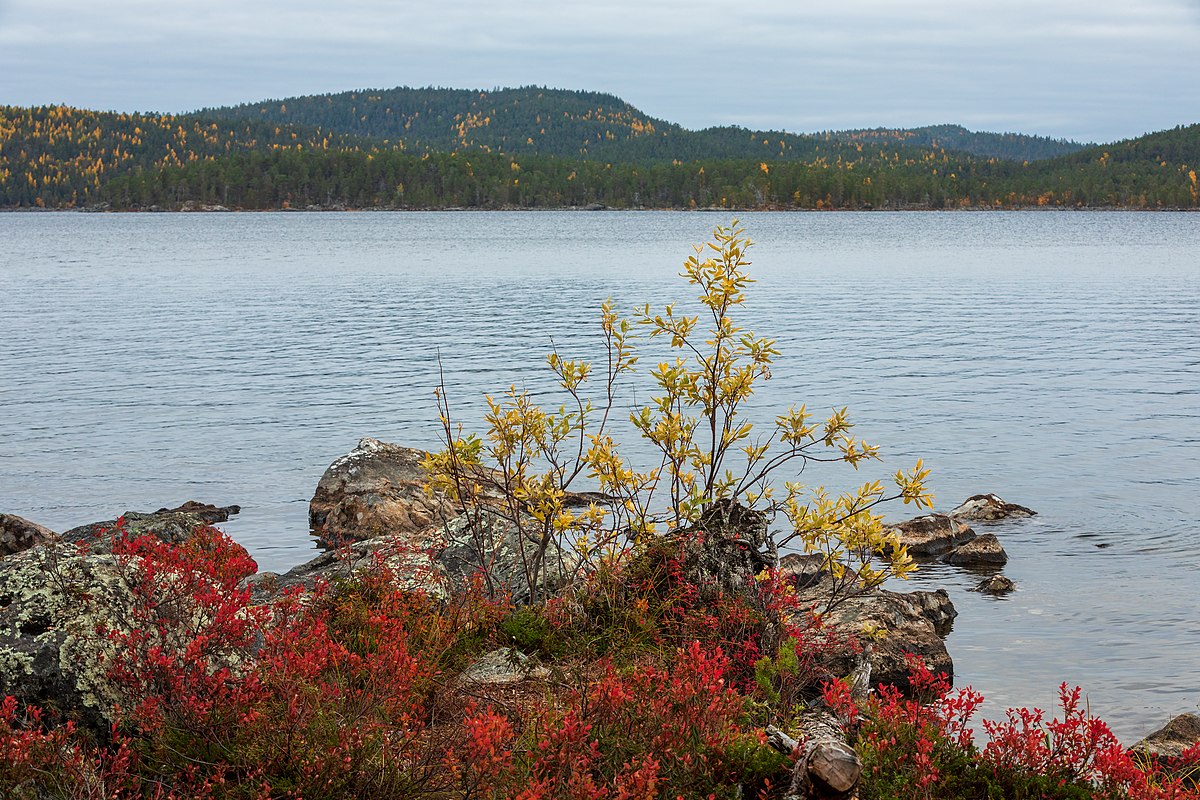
1053,358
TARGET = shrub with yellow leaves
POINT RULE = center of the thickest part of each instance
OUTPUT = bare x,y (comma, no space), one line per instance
525,466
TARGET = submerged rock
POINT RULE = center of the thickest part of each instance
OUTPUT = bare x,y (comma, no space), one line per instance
377,489
18,534
1167,744
982,552
989,508
995,585
932,534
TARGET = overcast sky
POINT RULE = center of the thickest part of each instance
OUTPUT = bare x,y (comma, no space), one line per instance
1092,70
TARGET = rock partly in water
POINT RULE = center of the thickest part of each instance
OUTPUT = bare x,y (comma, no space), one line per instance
18,534
802,569
932,534
377,489
899,623
983,552
989,508
172,526
1167,744
995,585
209,513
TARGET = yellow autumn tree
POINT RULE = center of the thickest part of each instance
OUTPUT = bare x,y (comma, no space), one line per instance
525,470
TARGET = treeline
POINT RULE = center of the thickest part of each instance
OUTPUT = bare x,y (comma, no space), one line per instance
574,124
1007,146
290,179
57,156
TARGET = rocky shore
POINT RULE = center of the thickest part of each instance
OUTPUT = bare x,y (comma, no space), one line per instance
370,507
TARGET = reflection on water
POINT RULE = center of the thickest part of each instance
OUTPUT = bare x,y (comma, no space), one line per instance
1051,358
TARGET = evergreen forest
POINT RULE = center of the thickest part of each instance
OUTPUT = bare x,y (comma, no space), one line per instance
540,148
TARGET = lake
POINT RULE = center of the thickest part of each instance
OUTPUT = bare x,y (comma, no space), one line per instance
1052,358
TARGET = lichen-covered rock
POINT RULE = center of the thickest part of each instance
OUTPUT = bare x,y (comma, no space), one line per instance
932,534
53,600
510,556
442,560
896,623
983,552
502,666
995,585
989,508
414,569
173,526
58,599
18,534
1167,744
377,489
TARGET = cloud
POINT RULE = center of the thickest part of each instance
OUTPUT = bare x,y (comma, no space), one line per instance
1042,66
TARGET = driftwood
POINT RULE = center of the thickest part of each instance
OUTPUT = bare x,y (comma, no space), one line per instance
828,768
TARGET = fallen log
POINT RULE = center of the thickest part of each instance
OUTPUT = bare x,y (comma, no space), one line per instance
828,768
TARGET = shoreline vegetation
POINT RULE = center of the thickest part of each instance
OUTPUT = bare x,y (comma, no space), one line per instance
185,208
524,614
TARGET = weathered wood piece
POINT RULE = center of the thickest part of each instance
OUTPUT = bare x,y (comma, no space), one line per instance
828,768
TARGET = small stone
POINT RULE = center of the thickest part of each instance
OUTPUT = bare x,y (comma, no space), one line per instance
989,508
502,665
995,585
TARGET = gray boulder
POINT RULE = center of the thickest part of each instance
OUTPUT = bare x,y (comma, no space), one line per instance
989,508
983,552
442,560
18,534
932,534
1167,744
173,526
56,601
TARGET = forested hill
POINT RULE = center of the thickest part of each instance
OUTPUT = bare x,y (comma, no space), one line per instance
573,124
1179,145
56,156
1008,146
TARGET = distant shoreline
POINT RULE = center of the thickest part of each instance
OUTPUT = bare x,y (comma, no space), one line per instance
585,209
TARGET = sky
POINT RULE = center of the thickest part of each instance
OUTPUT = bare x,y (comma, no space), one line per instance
1089,70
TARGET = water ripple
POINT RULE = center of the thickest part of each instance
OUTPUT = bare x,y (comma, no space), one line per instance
1049,357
